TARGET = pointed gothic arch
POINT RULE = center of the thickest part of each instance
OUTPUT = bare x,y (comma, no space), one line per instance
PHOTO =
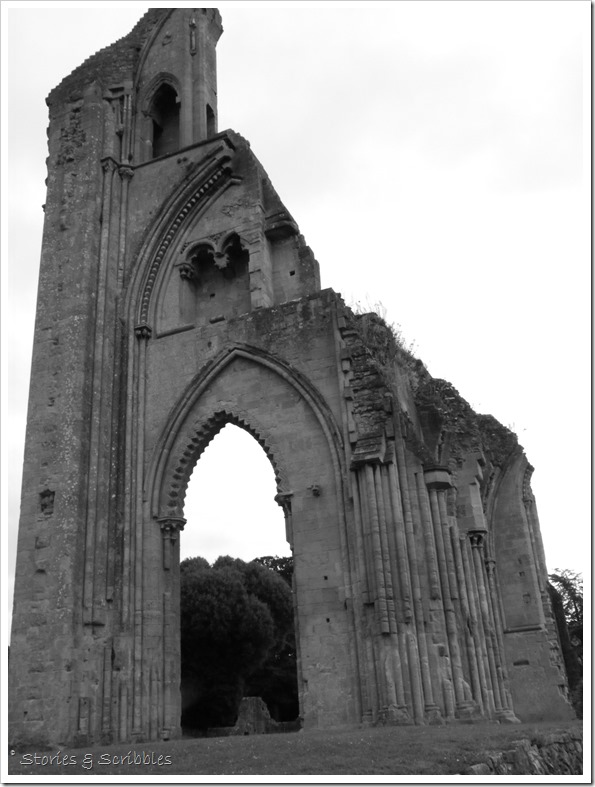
183,439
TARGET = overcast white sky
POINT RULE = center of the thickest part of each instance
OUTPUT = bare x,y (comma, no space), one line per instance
436,156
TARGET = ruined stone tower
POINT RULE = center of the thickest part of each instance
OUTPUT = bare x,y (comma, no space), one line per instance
177,295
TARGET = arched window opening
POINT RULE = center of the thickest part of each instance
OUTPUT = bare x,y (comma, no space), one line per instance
211,124
230,501
230,510
165,116
236,255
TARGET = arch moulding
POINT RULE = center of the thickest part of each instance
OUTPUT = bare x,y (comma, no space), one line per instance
182,440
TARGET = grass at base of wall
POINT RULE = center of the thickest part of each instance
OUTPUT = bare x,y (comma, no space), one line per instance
378,751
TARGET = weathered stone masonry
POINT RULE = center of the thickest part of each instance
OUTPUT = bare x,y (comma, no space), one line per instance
176,295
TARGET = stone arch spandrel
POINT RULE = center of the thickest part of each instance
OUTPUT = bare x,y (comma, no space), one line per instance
259,392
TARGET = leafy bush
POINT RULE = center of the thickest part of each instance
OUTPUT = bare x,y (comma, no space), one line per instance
234,615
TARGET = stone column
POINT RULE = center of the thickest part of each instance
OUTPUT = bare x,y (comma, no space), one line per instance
383,692
408,639
126,175
507,712
169,723
431,710
439,482
362,594
502,708
143,334
93,599
396,617
458,547
482,694
477,539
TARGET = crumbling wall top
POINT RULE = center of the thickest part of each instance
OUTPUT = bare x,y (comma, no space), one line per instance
119,60
113,62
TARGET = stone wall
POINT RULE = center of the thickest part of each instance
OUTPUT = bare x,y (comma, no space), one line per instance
555,754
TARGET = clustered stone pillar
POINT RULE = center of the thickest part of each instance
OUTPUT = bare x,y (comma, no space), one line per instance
170,530
432,648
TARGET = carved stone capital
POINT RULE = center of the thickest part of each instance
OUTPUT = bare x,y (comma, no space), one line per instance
170,529
284,500
108,164
437,477
477,538
490,565
171,525
143,331
125,172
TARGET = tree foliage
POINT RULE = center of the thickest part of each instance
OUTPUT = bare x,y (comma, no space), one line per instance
282,565
569,585
276,680
234,616
566,593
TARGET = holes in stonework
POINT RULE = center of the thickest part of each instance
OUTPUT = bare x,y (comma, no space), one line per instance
326,577
46,501
520,663
212,295
292,273
328,620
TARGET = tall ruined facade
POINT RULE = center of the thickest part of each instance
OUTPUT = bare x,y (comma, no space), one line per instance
177,295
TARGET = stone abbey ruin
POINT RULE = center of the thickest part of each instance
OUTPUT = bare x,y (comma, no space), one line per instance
176,295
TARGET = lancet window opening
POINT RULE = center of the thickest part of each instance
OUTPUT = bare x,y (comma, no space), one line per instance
165,119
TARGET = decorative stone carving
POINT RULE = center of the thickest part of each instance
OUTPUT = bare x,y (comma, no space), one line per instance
477,538
208,186
125,172
187,271
143,331
170,529
284,500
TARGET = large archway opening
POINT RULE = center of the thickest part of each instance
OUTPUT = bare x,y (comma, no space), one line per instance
237,619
